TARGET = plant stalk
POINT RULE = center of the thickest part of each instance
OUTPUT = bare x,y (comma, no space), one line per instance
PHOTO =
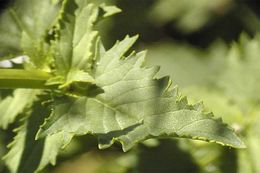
19,78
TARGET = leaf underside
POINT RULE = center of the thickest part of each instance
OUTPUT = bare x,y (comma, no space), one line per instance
134,106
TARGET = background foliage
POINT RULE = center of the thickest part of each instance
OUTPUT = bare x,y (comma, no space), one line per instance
211,50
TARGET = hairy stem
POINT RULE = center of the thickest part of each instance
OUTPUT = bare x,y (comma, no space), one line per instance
18,78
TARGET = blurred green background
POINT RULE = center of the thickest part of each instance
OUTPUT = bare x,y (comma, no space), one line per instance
211,50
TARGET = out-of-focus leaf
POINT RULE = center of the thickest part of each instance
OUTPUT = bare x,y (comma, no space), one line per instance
12,106
187,65
23,28
244,162
189,15
2,148
9,36
240,79
253,141
27,155
93,162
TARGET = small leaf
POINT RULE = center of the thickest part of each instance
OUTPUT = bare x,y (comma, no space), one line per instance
110,10
76,37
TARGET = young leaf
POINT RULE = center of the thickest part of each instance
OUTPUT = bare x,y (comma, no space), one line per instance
76,38
109,10
134,106
75,45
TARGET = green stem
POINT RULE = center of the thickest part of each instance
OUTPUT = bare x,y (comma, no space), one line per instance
18,78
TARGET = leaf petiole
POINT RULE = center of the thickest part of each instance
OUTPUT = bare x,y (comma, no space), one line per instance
19,78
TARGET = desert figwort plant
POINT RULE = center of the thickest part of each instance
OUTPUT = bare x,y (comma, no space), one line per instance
72,86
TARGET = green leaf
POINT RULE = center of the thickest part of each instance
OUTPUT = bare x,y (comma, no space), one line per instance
2,148
9,36
28,155
189,66
243,59
252,139
187,15
76,43
109,10
35,25
24,27
12,106
76,38
134,106
234,99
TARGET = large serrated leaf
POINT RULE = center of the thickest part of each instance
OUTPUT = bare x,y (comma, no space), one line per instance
134,106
